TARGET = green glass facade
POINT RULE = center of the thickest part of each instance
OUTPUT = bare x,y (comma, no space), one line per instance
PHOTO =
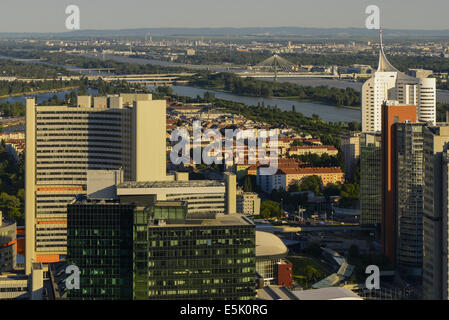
409,185
370,179
99,243
168,255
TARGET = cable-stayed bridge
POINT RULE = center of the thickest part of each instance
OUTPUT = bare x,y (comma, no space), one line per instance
278,67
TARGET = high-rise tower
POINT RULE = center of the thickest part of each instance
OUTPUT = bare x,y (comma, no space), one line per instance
388,83
63,142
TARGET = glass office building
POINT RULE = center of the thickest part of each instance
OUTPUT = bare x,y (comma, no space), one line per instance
370,179
409,185
169,254
99,243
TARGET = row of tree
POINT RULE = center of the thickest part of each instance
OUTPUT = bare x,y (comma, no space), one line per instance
11,68
252,87
17,87
400,61
12,195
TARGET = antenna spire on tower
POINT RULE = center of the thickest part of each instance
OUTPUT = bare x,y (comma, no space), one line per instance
381,38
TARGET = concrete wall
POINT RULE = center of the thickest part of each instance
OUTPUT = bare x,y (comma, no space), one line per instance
149,143
231,192
85,101
30,174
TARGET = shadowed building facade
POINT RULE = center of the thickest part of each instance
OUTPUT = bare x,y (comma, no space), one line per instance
391,114
409,184
436,211
370,179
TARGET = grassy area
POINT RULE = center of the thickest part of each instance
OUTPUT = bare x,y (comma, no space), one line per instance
307,270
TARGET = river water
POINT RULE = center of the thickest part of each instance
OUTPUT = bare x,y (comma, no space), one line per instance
325,112
442,95
44,96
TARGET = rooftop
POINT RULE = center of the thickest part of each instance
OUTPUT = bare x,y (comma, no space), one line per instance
283,293
290,170
269,245
312,147
170,184
332,293
220,220
275,293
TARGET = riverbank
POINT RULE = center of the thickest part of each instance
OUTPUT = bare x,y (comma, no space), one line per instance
325,112
293,98
317,102
19,94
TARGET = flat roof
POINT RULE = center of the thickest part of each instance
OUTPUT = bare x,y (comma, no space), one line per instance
275,293
170,187
332,293
170,184
220,220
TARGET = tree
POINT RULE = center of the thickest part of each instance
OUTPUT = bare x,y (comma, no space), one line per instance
350,191
247,185
165,90
10,205
331,190
312,274
311,183
270,209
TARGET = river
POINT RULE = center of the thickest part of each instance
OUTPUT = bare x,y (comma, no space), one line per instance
442,95
325,112
44,96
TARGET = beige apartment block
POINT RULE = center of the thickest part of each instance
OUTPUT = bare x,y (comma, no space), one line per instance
248,203
63,142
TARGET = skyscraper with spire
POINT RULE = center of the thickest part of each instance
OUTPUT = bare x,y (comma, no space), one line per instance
388,83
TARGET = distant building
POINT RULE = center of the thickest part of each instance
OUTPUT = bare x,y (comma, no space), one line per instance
248,203
8,244
288,176
350,146
319,150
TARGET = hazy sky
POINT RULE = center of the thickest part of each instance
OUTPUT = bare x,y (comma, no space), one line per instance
49,15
